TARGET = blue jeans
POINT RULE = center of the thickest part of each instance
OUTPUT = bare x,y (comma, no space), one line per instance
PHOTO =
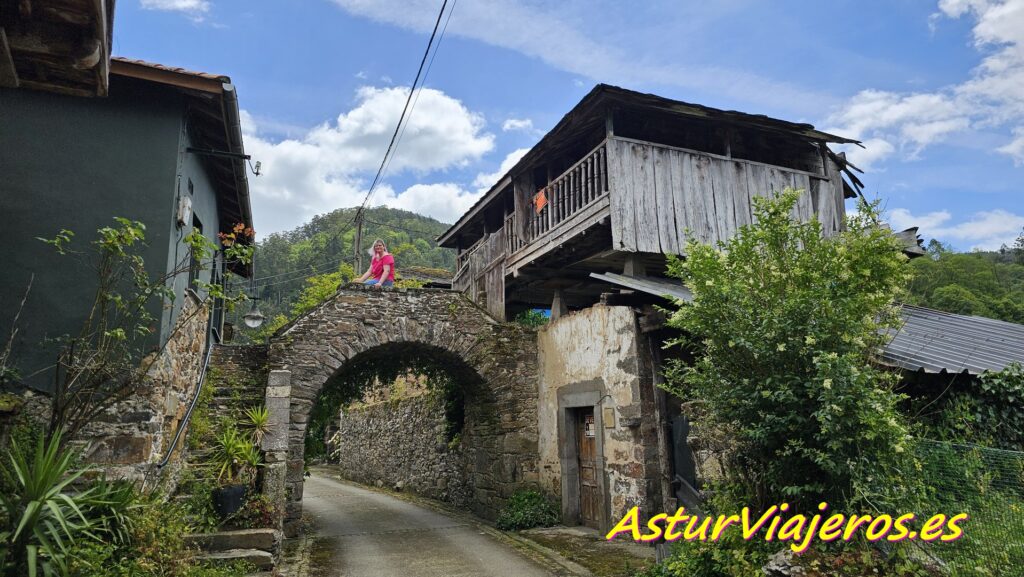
385,284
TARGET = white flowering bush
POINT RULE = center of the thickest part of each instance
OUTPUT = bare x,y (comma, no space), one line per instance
782,330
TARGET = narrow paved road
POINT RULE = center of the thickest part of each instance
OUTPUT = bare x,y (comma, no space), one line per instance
361,533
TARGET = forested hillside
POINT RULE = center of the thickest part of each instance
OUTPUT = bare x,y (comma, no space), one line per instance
316,256
988,284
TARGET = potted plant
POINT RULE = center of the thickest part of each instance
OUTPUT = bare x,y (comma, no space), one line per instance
236,460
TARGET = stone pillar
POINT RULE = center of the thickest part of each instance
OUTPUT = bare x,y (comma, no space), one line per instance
275,442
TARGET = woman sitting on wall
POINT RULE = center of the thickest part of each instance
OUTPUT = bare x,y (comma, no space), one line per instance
382,267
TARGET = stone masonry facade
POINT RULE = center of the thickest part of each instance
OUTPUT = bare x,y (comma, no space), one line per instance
129,438
403,444
597,358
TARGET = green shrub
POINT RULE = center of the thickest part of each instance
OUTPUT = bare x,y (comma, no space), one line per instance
258,512
782,327
988,410
43,519
526,509
156,547
532,318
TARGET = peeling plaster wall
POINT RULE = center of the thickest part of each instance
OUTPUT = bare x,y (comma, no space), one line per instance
600,349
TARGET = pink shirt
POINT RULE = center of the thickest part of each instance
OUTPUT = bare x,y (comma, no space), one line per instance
377,267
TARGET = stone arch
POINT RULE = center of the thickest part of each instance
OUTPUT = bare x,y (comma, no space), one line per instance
307,353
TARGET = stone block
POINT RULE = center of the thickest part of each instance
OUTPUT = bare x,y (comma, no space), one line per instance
279,378
262,560
123,450
279,392
262,539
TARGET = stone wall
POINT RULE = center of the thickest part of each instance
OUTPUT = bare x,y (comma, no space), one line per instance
500,432
402,444
129,438
597,357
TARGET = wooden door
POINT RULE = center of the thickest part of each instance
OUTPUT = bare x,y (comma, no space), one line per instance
586,449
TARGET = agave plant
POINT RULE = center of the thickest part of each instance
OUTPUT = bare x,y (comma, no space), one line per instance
257,423
43,518
234,457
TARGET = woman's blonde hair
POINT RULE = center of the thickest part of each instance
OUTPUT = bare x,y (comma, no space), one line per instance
382,243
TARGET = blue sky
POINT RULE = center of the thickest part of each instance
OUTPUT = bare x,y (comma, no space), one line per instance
934,88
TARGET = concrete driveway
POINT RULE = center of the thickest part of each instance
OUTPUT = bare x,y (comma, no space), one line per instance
362,533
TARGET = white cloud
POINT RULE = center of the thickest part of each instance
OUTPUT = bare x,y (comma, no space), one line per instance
194,8
521,124
987,230
1016,147
874,150
902,219
589,40
331,165
444,201
993,97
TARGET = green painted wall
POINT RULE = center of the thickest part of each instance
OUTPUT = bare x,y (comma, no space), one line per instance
76,163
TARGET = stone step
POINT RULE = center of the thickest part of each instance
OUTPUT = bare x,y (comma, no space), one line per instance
262,539
261,560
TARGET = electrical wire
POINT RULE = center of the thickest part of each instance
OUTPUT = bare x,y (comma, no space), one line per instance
405,109
395,137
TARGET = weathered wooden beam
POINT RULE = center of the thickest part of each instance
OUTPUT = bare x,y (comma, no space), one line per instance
102,34
48,87
8,74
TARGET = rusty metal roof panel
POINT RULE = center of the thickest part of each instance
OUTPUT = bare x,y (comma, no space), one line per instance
931,341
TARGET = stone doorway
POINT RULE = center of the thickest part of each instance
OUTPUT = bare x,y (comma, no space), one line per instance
586,453
581,452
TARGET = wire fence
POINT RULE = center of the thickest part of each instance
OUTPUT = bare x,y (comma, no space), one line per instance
988,485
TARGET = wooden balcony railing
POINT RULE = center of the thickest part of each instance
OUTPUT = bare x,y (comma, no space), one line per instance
512,240
575,189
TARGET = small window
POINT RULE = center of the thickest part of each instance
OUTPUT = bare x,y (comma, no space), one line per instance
195,265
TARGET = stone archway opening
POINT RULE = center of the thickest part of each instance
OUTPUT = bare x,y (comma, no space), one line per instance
357,332
401,398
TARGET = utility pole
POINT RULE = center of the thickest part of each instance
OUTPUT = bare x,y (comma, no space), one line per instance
356,246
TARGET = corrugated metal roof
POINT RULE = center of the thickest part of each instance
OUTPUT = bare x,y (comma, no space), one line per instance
935,341
930,341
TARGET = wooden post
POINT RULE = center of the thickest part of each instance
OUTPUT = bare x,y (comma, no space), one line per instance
634,266
558,307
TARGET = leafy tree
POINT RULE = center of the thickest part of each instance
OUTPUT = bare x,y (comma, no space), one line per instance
782,328
989,284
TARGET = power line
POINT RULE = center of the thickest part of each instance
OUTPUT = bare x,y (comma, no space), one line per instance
408,100
425,74
395,137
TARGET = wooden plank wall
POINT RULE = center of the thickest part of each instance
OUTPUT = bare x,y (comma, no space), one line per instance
661,196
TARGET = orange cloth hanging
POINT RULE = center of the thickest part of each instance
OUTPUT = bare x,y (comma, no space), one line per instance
540,200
